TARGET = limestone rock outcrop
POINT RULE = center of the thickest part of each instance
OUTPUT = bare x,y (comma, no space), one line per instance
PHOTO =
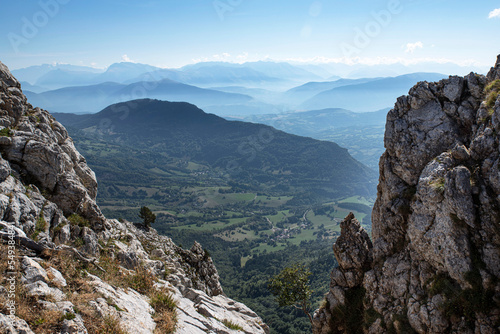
38,151
435,261
70,265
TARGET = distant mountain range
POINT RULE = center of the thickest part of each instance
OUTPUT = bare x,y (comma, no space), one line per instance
256,74
226,89
269,73
369,95
359,95
252,153
33,73
237,94
298,95
89,99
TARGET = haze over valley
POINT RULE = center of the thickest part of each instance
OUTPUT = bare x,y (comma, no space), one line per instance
172,160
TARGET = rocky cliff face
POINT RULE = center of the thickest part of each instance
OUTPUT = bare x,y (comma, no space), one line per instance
434,266
65,268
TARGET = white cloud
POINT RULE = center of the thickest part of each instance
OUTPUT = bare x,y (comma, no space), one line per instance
226,57
126,58
411,47
494,13
221,57
372,61
242,57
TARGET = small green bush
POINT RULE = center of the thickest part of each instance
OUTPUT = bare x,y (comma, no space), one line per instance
231,325
291,287
147,216
142,281
438,184
41,226
111,303
79,242
5,132
68,316
492,91
493,86
162,300
58,228
76,219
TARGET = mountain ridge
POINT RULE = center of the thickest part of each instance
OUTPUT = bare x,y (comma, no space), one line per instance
232,146
361,133
93,98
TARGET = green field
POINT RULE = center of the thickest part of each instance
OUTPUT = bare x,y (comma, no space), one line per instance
238,234
269,249
279,216
328,222
211,226
253,224
357,199
272,201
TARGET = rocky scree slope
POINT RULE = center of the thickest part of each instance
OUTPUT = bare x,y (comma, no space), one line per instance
434,264
75,271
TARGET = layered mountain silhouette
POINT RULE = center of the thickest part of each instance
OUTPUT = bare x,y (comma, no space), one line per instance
370,95
89,99
250,152
205,73
226,89
308,90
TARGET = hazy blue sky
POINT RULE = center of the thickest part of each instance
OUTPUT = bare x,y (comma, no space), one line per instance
172,33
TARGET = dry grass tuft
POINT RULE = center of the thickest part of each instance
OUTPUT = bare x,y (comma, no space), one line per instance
166,322
165,315
41,321
80,292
